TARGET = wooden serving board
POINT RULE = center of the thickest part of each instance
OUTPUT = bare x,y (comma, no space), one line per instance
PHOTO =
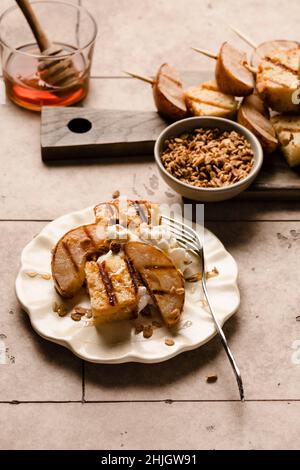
112,134
82,133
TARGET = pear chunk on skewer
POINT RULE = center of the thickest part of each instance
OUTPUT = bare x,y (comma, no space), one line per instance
255,116
234,75
287,128
167,92
232,72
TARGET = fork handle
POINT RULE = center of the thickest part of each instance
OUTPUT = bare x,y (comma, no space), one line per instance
224,341
35,26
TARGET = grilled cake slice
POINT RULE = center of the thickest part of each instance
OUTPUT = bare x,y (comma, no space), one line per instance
69,257
164,282
266,48
113,289
207,100
277,79
128,213
287,128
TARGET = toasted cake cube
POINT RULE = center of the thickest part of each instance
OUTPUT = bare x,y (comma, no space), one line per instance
113,290
287,128
207,100
288,58
127,212
277,79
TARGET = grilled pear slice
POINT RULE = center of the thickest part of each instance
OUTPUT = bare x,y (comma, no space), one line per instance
266,48
164,282
253,115
287,128
69,257
257,103
168,94
232,76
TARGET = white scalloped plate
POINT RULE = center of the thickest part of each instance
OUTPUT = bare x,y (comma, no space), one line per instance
117,343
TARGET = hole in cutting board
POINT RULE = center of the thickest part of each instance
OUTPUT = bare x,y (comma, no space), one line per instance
80,125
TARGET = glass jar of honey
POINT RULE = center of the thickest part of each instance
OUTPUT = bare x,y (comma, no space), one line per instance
31,77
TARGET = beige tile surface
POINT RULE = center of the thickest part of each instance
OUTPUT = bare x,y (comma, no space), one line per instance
59,189
151,426
262,334
253,210
157,31
34,369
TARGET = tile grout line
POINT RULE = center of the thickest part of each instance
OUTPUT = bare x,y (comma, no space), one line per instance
83,382
166,401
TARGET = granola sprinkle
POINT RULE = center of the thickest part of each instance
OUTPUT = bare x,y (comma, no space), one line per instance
60,309
76,316
211,379
208,158
116,194
31,274
169,342
213,273
82,311
148,331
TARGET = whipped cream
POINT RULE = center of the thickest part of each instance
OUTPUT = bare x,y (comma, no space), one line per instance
157,235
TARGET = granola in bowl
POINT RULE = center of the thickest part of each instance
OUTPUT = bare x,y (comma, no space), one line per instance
208,158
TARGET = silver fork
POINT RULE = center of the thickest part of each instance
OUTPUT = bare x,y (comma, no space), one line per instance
189,239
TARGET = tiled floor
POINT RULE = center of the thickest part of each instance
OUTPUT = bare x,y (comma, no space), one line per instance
65,403
222,425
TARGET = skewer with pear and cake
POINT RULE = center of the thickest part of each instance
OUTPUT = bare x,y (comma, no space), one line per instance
260,93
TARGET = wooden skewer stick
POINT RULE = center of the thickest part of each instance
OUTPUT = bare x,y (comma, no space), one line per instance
250,68
243,37
205,52
215,57
140,77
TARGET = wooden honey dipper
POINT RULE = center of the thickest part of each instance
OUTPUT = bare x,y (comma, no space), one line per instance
60,72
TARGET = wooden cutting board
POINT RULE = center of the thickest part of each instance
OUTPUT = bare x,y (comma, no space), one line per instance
83,134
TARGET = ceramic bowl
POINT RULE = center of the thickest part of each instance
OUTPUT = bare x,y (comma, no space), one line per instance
207,194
